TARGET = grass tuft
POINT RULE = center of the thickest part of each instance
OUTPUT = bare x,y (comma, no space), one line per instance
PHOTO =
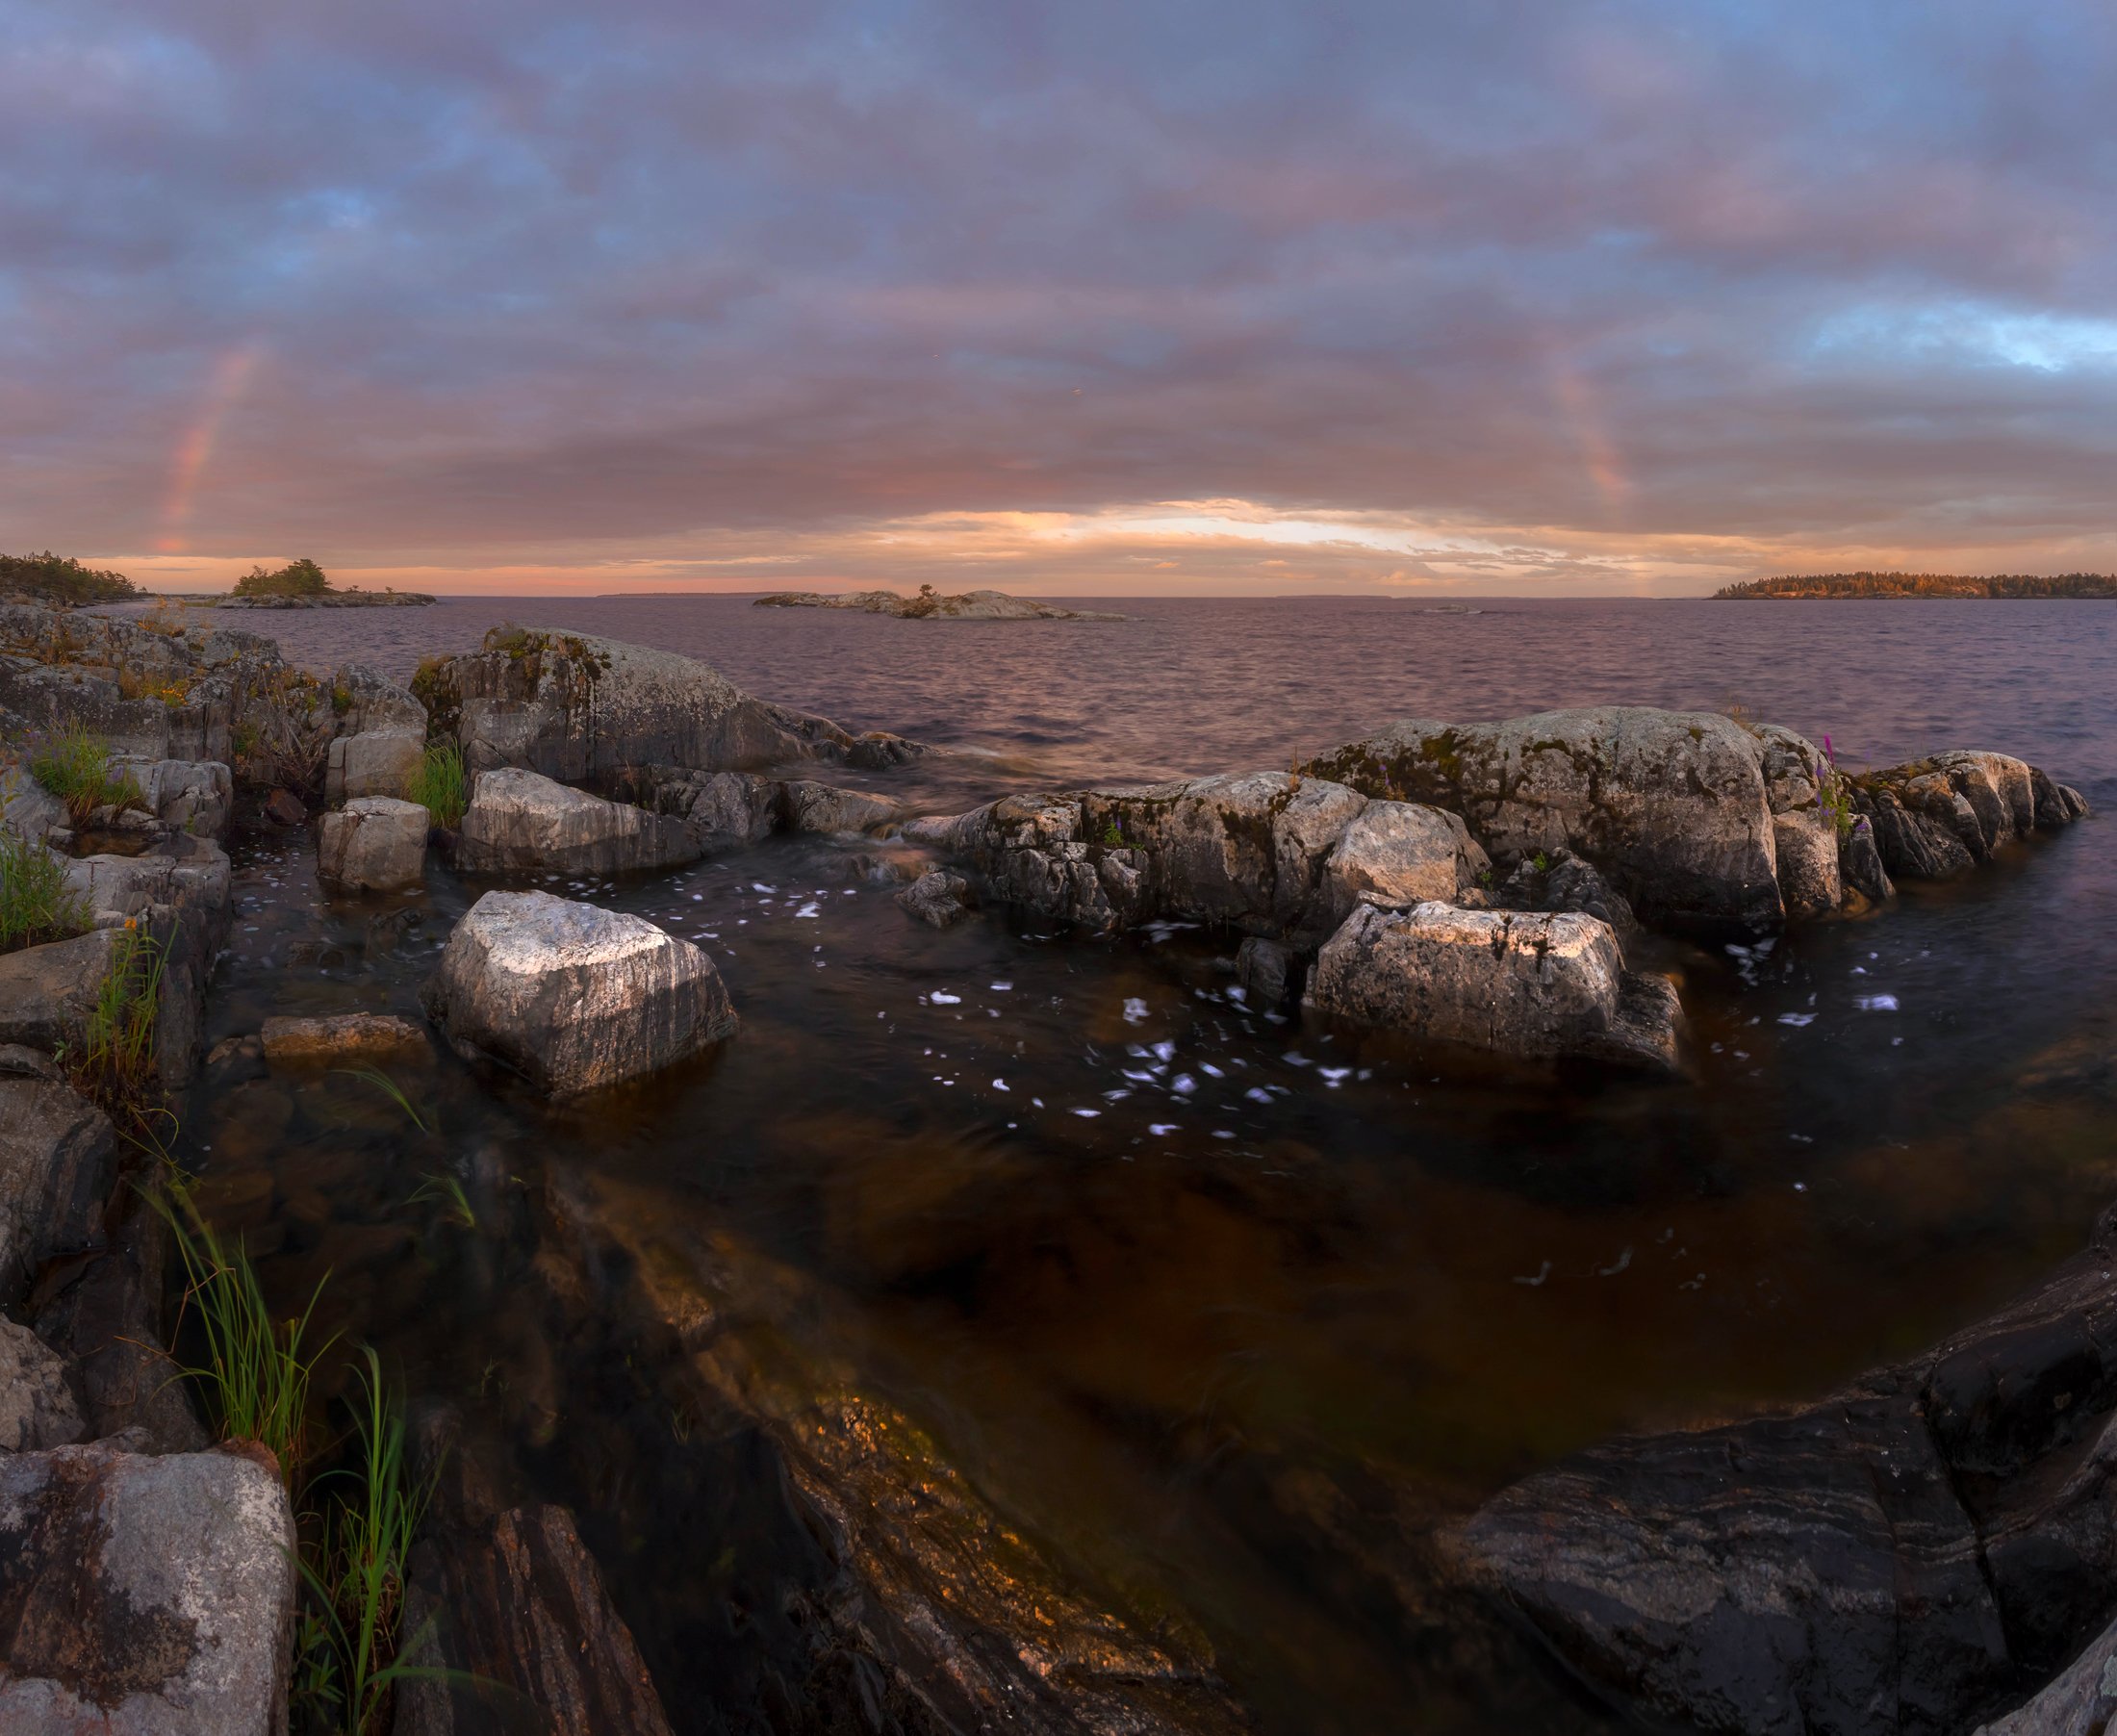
442,784
358,1589
256,1368
444,1190
37,905
382,1081
75,766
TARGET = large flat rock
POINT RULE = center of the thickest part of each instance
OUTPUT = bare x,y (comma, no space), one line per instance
143,1595
574,997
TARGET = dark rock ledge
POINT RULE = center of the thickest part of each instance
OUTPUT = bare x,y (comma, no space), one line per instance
1914,1553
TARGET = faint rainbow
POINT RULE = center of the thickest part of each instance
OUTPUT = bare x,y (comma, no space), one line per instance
1584,421
194,448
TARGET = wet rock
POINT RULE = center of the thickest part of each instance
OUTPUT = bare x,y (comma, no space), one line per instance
878,750
2082,1702
103,1312
1935,818
1671,805
517,1601
142,1593
1269,973
282,807
940,899
1917,1550
46,992
1806,844
824,807
719,810
58,1160
1860,867
341,1039
37,1406
374,843
520,820
574,997
1522,984
940,1601
576,707
375,762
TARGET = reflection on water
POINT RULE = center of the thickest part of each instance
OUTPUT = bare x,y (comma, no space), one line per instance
1225,1315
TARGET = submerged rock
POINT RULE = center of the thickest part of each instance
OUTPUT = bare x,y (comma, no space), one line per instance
1915,1551
940,899
520,819
1671,805
574,997
1522,984
576,707
515,1600
339,1038
144,1593
376,843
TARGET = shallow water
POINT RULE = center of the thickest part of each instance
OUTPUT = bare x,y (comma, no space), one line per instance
1227,1314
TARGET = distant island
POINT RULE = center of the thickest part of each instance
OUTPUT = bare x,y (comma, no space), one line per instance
303,585
59,581
1923,584
930,605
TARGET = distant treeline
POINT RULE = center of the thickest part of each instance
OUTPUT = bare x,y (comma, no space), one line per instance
60,579
1928,584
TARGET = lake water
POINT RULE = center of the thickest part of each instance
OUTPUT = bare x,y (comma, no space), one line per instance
1228,1317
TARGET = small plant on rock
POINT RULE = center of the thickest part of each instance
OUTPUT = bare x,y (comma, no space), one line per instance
442,785
75,766
36,904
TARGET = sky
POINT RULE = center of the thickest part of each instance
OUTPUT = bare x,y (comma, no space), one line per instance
1099,296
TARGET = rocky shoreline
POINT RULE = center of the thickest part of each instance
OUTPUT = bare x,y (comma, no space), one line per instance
1522,889
350,598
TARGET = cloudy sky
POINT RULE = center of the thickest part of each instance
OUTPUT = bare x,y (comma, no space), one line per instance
1107,295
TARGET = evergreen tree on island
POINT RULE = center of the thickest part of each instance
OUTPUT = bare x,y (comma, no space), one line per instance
296,578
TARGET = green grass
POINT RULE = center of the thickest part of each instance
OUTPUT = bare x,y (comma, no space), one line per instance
115,1065
442,785
36,902
446,1191
383,1082
366,1540
258,1368
75,766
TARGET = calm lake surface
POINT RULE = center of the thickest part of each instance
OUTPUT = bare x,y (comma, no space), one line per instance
1231,1317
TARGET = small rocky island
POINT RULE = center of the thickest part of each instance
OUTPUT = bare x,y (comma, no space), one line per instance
1929,1546
930,605
303,585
